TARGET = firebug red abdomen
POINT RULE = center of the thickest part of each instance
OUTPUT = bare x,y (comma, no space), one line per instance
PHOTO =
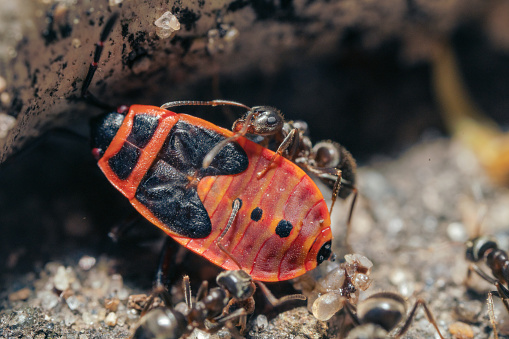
154,157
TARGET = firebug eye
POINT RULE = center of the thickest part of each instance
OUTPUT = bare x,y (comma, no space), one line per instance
324,253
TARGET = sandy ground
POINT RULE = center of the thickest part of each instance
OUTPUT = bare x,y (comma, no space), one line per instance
413,216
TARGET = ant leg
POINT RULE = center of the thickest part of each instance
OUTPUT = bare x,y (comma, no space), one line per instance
275,301
503,294
481,273
336,175
243,323
163,274
93,66
355,193
226,321
329,173
292,139
167,263
351,310
247,305
411,316
491,313
207,160
237,203
502,290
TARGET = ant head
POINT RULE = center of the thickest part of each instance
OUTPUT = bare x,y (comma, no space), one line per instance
332,155
265,121
385,309
238,283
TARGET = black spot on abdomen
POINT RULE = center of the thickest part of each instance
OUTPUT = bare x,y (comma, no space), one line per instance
284,228
256,214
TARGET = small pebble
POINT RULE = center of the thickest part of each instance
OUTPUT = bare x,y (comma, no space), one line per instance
101,314
76,43
89,318
137,301
262,322
3,84
73,302
69,319
63,278
166,25
111,319
22,294
121,320
19,318
6,124
361,281
48,299
86,262
199,334
456,232
5,98
111,304
461,330
468,311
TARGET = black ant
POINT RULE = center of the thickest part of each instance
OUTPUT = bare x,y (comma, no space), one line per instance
168,322
212,309
485,248
380,313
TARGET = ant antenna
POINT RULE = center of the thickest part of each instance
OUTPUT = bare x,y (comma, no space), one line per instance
207,160
212,103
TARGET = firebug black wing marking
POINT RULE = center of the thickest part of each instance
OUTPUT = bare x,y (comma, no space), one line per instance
166,190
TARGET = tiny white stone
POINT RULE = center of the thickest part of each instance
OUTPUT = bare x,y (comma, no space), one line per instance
261,321
111,319
167,24
456,232
7,122
87,262
48,299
